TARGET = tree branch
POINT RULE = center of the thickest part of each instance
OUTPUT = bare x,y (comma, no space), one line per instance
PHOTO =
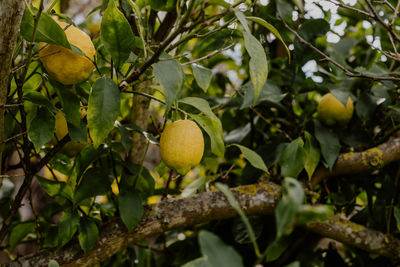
337,64
204,207
26,185
10,18
368,160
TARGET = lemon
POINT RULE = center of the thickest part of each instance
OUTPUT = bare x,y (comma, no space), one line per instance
63,64
182,145
61,126
49,175
71,148
331,111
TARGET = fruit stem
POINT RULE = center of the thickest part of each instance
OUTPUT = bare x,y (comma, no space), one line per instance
171,171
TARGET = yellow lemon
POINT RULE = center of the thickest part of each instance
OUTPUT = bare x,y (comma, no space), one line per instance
50,175
331,111
61,125
63,64
71,148
182,145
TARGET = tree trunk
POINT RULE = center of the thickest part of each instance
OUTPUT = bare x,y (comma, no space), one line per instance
10,19
139,117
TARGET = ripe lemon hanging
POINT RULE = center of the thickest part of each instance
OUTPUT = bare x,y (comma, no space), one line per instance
331,111
63,64
182,145
71,148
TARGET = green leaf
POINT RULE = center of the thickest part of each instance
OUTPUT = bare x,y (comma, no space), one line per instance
94,182
199,262
342,95
162,5
88,234
48,30
366,105
309,213
258,63
277,247
67,227
235,204
214,131
270,93
83,161
116,34
71,106
130,208
312,154
289,205
53,263
41,129
39,99
19,232
192,188
170,75
309,31
202,105
55,188
104,106
217,253
78,134
255,160
126,137
285,9
293,158
271,29
329,143
396,213
202,75
293,264
242,19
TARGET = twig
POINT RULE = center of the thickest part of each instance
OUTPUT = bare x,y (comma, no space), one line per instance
359,11
135,75
389,4
154,98
396,12
326,57
13,137
378,19
26,184
209,55
11,105
174,57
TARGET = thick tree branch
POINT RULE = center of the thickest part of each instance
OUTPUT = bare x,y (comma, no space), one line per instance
182,212
10,18
370,159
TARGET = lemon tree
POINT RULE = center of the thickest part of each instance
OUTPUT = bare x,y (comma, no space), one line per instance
199,133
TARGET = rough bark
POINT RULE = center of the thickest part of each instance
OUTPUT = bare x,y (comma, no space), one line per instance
366,161
182,212
358,236
140,117
10,17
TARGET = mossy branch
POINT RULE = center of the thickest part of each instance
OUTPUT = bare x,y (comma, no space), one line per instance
359,162
204,207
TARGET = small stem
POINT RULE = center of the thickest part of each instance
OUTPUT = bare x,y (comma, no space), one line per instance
165,194
154,98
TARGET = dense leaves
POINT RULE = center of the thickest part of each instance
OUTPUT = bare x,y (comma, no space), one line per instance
251,76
